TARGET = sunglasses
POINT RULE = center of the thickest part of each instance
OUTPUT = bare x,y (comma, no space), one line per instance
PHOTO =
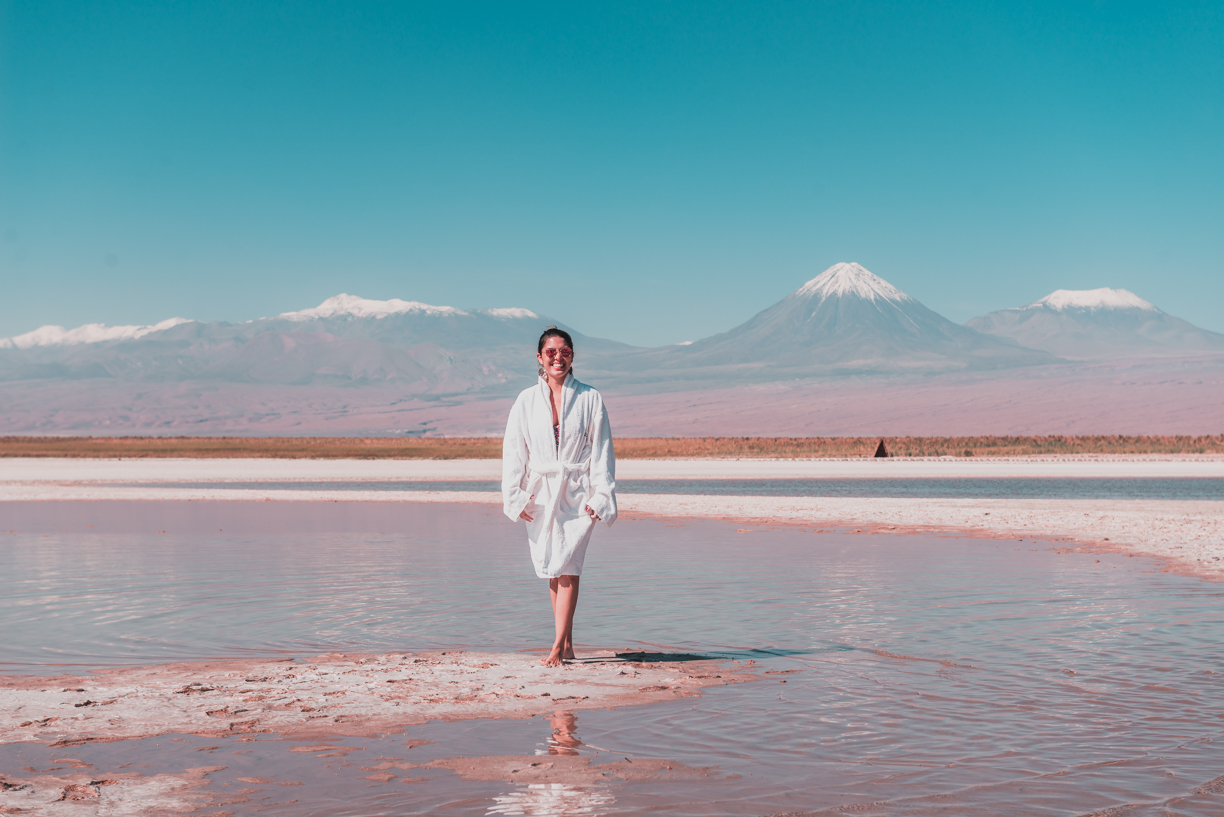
565,353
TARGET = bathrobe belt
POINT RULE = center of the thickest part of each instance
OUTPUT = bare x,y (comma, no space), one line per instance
557,469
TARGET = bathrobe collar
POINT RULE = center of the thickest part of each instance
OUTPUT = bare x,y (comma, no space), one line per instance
569,382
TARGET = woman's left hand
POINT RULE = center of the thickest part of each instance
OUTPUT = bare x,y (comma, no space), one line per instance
594,515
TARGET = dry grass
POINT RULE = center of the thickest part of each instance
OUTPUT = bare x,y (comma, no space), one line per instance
329,448
914,446
626,447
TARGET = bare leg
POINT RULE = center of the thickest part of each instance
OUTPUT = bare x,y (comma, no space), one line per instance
567,650
567,647
564,592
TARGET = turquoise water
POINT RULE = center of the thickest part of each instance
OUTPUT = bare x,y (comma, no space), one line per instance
931,675
1208,488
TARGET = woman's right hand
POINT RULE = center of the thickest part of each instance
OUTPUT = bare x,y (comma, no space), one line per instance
526,517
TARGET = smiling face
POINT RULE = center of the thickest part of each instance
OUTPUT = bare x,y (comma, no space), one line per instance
556,357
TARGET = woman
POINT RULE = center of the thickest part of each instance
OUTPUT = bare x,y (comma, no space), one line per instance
558,476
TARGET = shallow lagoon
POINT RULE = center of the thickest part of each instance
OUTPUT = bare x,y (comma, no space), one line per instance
1180,488
924,674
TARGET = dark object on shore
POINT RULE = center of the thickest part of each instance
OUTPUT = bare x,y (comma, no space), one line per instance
881,451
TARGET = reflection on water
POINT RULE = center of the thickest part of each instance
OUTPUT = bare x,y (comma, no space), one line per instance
552,800
899,675
556,799
564,739
945,488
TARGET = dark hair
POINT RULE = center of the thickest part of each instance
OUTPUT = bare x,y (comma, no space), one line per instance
554,332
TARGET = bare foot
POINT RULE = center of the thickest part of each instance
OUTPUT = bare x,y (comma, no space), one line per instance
569,654
553,659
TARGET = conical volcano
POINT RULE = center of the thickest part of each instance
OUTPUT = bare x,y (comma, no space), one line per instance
845,320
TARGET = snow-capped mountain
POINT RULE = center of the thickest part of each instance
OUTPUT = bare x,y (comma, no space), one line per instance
351,306
342,307
850,280
89,333
847,320
344,340
1098,324
1092,299
408,323
345,305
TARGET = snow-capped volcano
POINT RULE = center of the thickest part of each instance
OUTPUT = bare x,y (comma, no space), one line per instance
1098,323
1103,298
845,320
850,279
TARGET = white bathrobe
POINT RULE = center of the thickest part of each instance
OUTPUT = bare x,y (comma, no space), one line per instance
554,487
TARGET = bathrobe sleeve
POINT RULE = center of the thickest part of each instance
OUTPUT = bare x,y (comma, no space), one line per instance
603,464
515,456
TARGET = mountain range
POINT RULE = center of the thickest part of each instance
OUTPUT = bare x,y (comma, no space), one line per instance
844,323
347,340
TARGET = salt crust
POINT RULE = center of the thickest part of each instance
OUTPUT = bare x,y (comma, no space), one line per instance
50,795
63,469
333,695
327,697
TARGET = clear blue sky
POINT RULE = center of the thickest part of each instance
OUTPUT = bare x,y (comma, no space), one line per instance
651,173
